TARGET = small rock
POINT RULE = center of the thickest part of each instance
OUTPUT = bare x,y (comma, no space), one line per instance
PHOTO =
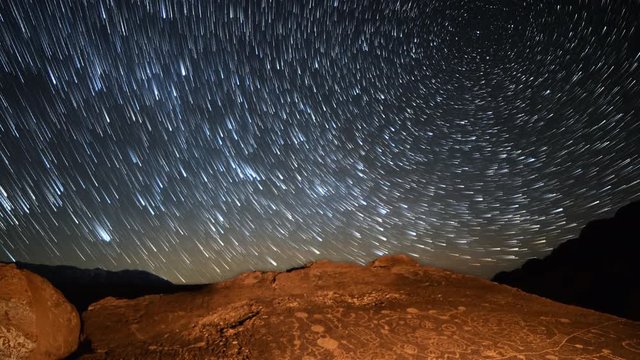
394,260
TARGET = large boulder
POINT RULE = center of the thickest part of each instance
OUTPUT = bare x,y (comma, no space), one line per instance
36,321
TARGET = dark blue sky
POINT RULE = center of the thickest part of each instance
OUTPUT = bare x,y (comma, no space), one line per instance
199,139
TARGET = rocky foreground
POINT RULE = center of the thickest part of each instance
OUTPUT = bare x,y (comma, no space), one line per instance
391,309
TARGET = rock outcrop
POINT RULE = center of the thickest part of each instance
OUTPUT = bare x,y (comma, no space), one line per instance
393,308
36,321
599,270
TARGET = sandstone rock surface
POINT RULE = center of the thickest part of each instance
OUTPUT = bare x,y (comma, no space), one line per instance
36,321
393,308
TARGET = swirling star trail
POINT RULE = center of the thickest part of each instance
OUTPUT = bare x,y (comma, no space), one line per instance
198,139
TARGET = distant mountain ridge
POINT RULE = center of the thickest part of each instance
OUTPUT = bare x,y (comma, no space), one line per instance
83,287
599,270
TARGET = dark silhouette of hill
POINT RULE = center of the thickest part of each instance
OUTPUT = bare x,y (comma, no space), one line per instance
599,270
82,287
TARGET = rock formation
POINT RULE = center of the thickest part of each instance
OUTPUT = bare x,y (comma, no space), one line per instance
393,308
36,321
599,270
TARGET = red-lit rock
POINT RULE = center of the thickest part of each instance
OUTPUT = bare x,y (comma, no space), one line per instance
36,321
391,309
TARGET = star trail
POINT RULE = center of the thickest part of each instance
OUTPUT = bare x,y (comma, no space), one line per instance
199,139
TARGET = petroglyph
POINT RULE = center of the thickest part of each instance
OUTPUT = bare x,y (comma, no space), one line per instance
14,345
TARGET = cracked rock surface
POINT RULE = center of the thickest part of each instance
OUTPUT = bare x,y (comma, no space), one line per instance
393,308
36,321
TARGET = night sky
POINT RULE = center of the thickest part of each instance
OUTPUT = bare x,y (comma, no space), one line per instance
196,140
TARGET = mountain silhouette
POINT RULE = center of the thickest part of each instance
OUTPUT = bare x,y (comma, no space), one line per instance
83,287
599,270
